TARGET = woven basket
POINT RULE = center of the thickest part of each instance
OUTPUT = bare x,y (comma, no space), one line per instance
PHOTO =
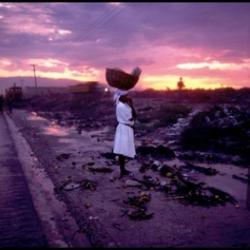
120,79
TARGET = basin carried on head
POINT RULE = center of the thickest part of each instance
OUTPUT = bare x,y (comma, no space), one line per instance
117,78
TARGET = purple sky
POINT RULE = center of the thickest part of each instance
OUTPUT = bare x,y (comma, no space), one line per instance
206,43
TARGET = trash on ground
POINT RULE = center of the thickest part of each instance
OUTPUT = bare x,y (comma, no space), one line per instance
144,167
139,200
156,152
199,194
168,171
63,156
88,184
132,183
245,180
118,226
148,181
139,214
155,165
100,169
203,170
108,155
70,185
88,205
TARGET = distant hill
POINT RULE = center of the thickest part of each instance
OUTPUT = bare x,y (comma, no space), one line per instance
6,82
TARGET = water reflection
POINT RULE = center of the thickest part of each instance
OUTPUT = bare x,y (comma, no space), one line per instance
56,131
33,116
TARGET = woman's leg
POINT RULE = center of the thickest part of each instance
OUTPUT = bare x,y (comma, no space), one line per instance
122,165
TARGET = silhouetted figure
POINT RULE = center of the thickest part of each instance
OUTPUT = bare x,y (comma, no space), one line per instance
180,84
9,103
1,103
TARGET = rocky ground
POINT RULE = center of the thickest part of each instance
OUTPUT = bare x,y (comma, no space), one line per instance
180,194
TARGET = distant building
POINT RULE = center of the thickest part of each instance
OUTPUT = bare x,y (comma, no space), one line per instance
43,91
88,88
83,88
14,92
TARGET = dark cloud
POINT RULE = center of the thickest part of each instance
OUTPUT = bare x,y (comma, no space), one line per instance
101,34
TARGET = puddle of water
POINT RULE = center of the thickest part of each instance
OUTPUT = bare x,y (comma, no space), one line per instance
49,127
33,116
55,130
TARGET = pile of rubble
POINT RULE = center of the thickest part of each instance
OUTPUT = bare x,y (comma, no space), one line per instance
223,128
176,183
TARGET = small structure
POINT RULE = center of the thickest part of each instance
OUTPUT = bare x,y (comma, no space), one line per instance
180,84
14,93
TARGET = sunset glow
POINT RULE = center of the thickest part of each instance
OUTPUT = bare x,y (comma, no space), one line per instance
78,41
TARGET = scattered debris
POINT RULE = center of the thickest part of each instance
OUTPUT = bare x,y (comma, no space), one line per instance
93,218
155,166
63,156
204,170
245,180
139,214
110,156
191,191
100,169
70,185
168,171
112,178
144,167
88,184
138,200
199,194
156,152
132,183
88,205
118,226
148,181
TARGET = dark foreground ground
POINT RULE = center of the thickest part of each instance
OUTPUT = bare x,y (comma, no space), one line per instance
19,222
191,177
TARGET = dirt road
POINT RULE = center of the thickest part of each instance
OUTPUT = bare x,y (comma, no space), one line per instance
99,207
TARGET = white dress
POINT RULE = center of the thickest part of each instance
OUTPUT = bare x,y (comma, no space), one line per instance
124,136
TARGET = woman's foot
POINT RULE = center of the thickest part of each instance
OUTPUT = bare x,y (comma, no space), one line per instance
125,173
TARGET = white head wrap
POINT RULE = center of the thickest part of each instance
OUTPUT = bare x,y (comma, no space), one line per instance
118,93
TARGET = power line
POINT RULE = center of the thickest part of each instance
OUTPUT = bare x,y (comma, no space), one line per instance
101,23
97,22
34,68
101,31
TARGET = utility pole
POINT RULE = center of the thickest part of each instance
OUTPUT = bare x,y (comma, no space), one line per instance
34,68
